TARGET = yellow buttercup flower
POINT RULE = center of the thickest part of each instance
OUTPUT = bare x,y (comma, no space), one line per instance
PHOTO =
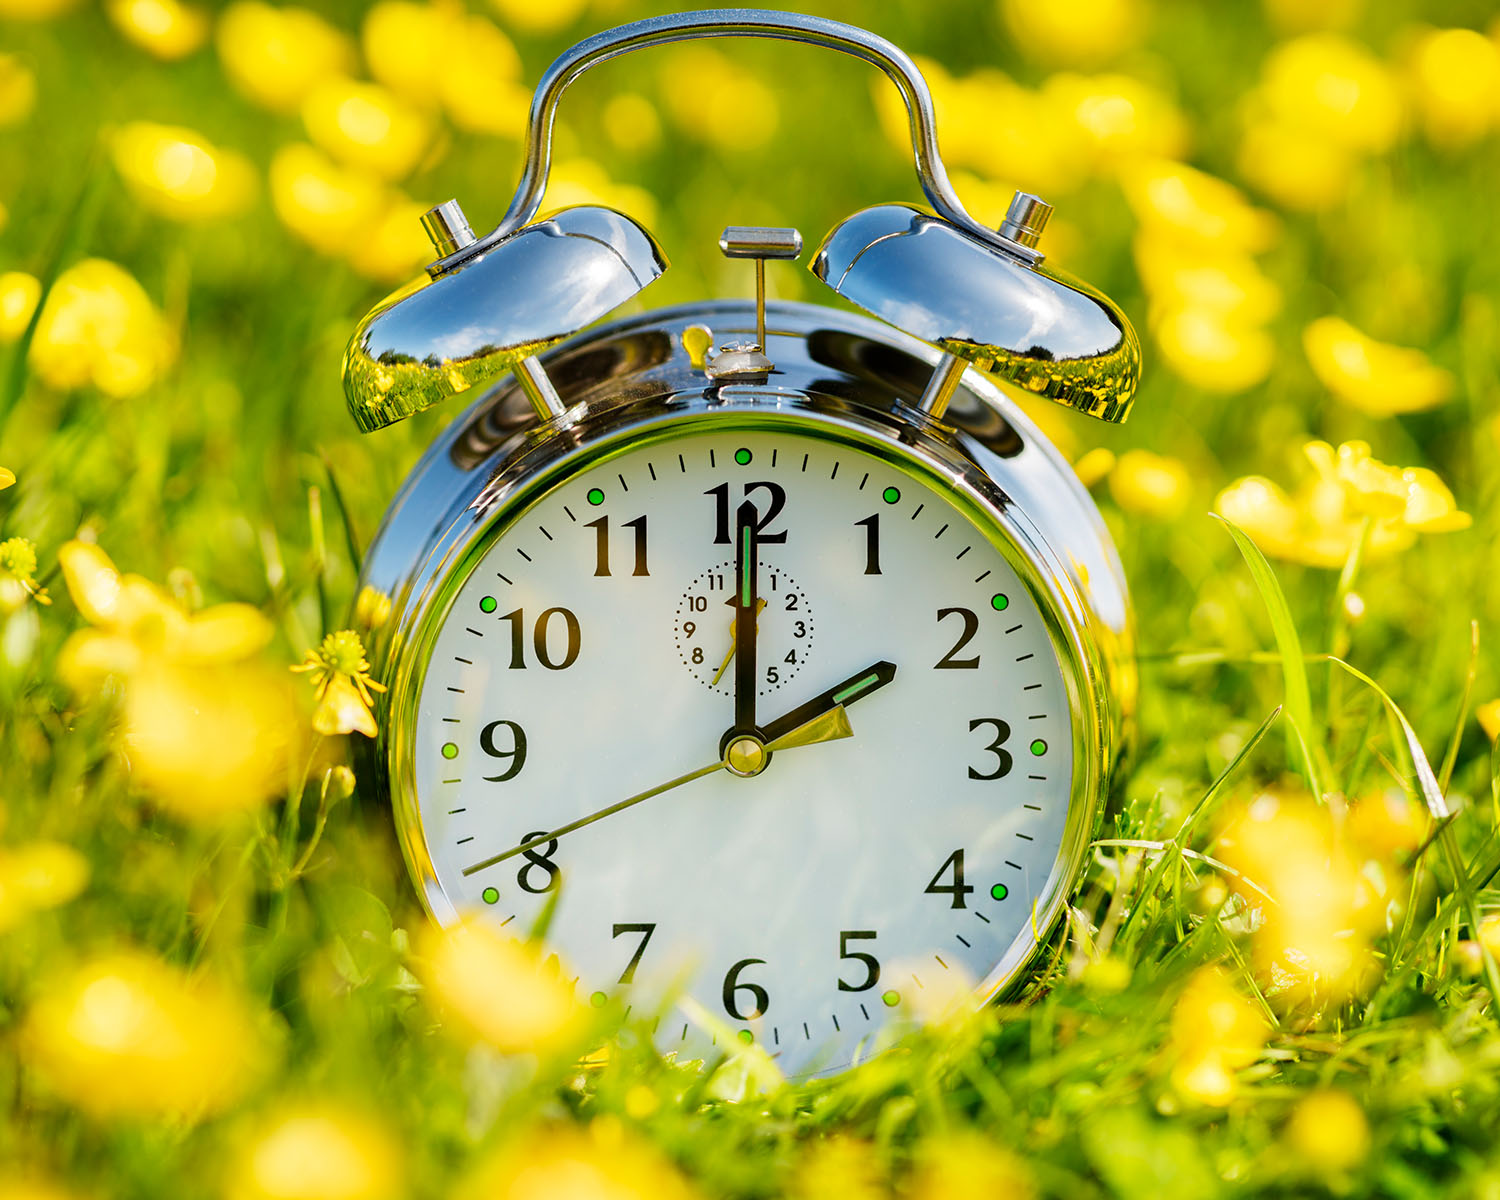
838,1166
479,81
1150,485
364,125
1119,117
17,90
318,1153
969,1166
165,28
19,293
1387,823
1374,377
395,247
372,608
1191,204
584,181
98,327
1333,87
33,1187
1095,466
277,56
533,17
603,1162
7,479
38,876
1228,285
499,990
129,1035
340,675
631,122
408,46
1298,16
176,173
1488,715
1214,352
18,572
716,100
1076,34
34,10
1215,1032
1454,77
1300,170
1328,1131
328,206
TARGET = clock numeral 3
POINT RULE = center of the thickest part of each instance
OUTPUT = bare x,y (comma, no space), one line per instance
516,753
958,889
645,929
535,859
732,985
872,964
773,510
539,642
1003,760
971,627
601,546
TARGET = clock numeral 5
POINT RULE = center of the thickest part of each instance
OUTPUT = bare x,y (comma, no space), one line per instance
958,889
516,753
732,985
539,643
773,510
645,929
872,964
601,546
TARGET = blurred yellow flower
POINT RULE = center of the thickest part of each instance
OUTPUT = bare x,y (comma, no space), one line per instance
479,83
395,247
364,125
1328,1131
176,173
166,28
631,122
1322,524
276,56
1077,34
1335,88
1489,934
1454,77
1374,377
1095,466
37,876
603,1162
1297,16
17,90
714,99
1213,352
340,676
32,1187
34,10
372,608
1386,823
318,1153
1228,285
18,574
585,181
1150,485
1488,715
129,1035
838,1166
1299,170
969,1166
499,990
1191,204
1119,117
19,293
99,327
7,479
532,16
327,206
1215,1032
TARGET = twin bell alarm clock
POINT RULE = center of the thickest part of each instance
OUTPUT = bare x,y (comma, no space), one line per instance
771,643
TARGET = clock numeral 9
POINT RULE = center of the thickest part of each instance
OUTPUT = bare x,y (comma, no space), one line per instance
733,985
645,929
971,627
773,510
516,753
517,621
601,549
958,889
871,963
538,858
1003,760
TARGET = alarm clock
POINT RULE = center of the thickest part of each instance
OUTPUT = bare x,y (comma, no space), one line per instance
768,649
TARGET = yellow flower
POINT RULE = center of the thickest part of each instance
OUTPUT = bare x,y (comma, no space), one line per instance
584,181
631,122
601,1163
1328,1131
1454,76
364,125
1334,88
499,990
1150,485
340,676
1387,823
478,82
532,17
838,1166
1215,1031
176,173
318,1153
327,206
19,293
37,876
128,1035
372,608
1212,352
1228,285
1374,377
33,1187
1296,16
34,10
1190,204
1488,715
1080,33
394,248
17,90
7,479
98,327
716,100
165,28
1119,117
1094,466
969,1166
1489,934
18,572
276,56
1300,170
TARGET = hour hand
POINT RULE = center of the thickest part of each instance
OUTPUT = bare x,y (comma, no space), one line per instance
746,611
822,719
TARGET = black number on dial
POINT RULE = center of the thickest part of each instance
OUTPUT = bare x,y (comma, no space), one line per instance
1003,761
539,645
773,510
516,753
958,889
538,858
601,545
732,985
971,627
872,544
872,965
645,929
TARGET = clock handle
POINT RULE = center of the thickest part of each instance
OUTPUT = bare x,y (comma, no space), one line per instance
737,22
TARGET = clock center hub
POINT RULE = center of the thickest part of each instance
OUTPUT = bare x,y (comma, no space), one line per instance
747,756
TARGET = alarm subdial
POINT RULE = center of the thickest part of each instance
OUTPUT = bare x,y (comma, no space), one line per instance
704,627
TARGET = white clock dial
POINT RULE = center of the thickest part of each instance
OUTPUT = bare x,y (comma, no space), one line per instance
806,907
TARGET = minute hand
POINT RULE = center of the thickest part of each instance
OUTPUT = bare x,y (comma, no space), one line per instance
856,687
746,613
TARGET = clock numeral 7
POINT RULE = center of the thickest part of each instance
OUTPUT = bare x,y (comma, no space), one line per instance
871,963
645,929
601,546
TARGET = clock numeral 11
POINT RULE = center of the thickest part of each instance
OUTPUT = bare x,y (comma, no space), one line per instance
601,550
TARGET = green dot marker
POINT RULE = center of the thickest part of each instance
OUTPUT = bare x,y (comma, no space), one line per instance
891,999
450,750
490,895
598,999
488,604
596,496
999,891
890,495
742,456
744,1034
1039,747
999,601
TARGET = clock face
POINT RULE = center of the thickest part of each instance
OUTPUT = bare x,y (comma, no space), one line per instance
901,774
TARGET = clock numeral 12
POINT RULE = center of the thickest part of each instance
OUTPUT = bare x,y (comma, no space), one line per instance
773,510
601,551
517,621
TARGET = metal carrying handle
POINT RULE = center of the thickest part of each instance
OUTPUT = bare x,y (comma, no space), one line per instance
736,22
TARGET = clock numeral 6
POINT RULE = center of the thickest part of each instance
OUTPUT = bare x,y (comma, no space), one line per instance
732,985
971,626
872,964
538,858
958,889
645,929
539,642
516,753
1003,760
601,545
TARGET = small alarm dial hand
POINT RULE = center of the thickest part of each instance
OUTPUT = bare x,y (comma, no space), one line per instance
734,625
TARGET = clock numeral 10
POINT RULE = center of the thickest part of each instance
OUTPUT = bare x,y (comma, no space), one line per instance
601,550
952,865
517,621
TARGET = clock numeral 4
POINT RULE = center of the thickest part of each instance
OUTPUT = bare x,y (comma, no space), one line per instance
952,865
773,510
1003,760
733,986
516,753
645,929
971,626
539,640
601,545
871,963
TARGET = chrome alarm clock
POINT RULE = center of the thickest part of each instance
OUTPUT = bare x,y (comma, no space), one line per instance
772,643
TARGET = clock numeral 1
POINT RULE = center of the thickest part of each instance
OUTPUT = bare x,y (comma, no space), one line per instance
517,621
971,627
601,548
516,753
732,985
872,543
535,859
871,963
1003,760
958,889
645,929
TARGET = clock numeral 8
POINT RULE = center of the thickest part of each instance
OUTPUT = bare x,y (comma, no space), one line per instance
538,858
757,993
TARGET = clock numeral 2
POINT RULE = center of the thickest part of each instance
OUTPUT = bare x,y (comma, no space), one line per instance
601,550
958,889
516,753
721,511
517,621
645,929
971,626
871,963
